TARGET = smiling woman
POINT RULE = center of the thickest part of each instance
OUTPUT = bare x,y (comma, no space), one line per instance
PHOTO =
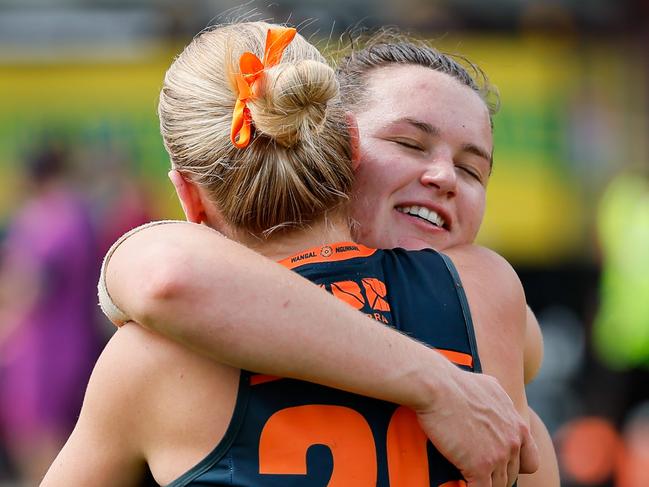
421,146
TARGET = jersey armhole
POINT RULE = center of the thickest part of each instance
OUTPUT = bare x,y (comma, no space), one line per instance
466,311
222,448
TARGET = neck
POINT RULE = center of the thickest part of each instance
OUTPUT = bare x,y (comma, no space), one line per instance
333,228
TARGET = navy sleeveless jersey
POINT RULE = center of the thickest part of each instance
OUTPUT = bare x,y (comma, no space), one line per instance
291,433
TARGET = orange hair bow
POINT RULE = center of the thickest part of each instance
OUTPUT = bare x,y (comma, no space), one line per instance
277,39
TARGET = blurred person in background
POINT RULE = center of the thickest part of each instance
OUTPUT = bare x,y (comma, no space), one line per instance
609,445
621,328
48,337
120,199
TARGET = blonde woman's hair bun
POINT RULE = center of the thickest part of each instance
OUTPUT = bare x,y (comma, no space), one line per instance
297,167
291,101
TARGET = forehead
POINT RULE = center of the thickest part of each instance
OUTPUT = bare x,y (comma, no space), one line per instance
420,93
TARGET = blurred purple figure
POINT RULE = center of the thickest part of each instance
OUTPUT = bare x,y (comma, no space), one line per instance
48,335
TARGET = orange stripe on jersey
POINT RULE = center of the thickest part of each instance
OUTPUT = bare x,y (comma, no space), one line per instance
454,483
262,379
328,253
458,358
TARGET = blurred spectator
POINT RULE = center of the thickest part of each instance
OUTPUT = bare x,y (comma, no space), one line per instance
120,201
621,330
590,450
48,336
592,453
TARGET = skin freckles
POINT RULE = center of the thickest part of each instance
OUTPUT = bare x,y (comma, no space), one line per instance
421,150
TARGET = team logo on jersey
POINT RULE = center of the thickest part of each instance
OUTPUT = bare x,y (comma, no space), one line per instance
369,295
326,251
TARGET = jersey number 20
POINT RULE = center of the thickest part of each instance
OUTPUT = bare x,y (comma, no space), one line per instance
349,437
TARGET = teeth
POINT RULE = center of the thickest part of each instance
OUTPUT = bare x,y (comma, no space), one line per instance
425,213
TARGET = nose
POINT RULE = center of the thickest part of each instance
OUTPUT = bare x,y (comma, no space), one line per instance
440,175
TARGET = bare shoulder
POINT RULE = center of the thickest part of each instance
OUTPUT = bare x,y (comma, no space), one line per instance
497,302
162,382
157,366
135,412
123,370
106,446
127,377
490,281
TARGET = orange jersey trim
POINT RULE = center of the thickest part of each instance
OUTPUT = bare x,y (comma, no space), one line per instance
457,358
257,379
327,253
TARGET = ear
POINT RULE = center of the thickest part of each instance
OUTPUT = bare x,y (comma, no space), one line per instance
354,139
189,196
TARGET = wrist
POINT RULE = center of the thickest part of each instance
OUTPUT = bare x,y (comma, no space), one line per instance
434,380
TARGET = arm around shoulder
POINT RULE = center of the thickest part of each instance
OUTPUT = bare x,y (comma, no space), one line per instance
497,302
190,283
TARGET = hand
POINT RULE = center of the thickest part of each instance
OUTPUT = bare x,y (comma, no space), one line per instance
474,424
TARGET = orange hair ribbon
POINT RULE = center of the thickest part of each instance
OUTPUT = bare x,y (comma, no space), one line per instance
277,39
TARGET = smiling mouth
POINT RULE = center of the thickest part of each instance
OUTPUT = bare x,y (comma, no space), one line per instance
423,213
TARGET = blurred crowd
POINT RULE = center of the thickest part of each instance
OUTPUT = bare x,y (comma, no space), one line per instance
81,163
50,330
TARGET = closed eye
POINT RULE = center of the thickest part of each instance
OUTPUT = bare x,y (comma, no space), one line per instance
471,172
408,144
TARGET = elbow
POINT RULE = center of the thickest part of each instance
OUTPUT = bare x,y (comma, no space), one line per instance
162,286
160,289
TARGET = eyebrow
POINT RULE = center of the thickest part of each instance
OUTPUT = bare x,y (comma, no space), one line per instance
435,131
418,124
475,150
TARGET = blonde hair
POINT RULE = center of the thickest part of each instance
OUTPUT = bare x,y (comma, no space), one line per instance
298,163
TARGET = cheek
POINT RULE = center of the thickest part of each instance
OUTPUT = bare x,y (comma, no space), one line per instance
370,182
473,209
370,204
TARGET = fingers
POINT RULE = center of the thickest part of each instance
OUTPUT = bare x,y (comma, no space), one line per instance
513,467
479,482
499,477
529,454
502,476
512,471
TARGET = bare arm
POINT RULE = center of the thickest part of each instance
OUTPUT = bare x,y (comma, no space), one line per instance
499,318
509,339
548,473
242,310
533,352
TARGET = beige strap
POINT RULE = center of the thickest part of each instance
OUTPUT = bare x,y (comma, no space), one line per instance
108,307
